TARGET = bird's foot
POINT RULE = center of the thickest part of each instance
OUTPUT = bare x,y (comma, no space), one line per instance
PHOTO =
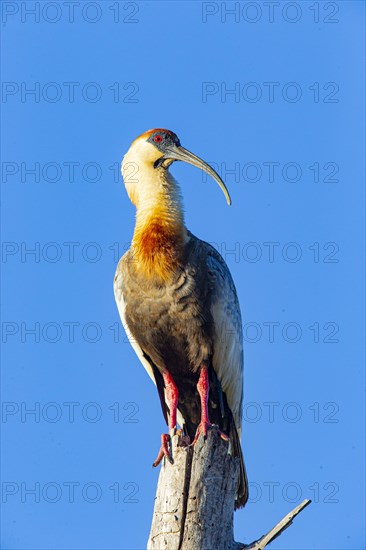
164,450
203,428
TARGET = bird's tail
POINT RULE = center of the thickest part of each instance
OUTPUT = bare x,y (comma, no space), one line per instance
242,492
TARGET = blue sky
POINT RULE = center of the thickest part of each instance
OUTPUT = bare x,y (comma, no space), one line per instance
274,100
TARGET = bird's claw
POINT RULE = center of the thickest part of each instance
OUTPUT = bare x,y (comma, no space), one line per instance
164,451
203,428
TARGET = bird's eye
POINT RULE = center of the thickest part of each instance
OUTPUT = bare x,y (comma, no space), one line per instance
158,139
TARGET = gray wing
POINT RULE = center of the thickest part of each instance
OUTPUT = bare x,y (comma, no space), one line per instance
228,336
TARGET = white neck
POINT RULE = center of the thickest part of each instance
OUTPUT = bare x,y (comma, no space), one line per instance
153,191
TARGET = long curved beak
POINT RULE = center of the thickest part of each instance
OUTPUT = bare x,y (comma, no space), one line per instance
180,153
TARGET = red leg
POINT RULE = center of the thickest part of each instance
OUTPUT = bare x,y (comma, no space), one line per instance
172,398
203,388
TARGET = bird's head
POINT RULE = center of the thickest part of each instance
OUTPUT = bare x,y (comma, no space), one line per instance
153,152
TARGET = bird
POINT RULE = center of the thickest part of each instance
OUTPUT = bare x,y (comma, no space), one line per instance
178,303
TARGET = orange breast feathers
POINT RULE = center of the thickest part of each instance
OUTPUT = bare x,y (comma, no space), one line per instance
158,248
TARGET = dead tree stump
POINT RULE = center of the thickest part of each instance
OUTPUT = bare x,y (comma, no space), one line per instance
194,503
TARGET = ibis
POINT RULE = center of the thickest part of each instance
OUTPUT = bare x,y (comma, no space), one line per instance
178,303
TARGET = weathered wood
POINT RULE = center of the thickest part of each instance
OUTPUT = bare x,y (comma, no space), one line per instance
211,495
194,503
278,529
170,500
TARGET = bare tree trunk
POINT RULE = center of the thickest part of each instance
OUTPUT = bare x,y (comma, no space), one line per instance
194,503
